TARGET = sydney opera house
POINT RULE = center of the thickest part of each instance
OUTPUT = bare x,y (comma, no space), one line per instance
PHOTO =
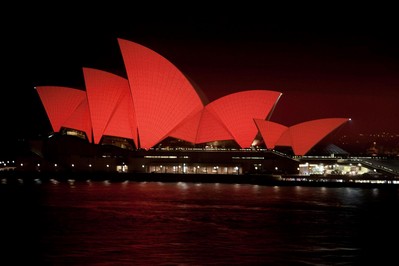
155,120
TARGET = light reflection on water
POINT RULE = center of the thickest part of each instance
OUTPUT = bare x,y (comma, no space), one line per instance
156,223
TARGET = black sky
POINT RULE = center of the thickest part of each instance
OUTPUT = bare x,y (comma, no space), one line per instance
332,62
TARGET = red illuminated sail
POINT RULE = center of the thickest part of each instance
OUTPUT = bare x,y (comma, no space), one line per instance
111,105
162,95
305,135
237,111
271,132
60,103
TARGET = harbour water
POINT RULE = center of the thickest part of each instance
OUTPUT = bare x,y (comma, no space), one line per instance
181,223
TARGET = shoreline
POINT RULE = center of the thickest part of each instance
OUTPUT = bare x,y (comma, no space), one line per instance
16,177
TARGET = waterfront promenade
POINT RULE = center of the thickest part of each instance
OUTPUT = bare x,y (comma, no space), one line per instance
15,177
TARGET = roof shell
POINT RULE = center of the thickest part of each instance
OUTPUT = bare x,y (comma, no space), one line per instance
237,111
305,135
163,97
105,93
65,107
270,131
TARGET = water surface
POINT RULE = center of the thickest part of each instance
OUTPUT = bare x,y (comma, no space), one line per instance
151,223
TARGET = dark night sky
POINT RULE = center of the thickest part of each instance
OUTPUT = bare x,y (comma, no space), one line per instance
330,63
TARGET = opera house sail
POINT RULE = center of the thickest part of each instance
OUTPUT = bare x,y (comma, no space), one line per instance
156,102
